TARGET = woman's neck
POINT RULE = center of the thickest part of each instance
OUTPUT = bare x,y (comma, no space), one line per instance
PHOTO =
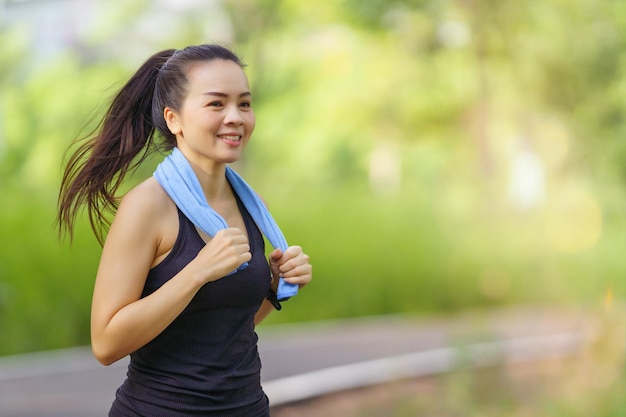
213,181
212,178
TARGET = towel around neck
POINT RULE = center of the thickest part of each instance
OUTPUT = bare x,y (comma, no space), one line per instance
180,182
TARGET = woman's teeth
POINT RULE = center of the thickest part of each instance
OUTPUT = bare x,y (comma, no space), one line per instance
230,137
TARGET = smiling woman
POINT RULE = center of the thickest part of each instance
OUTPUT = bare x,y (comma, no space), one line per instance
180,298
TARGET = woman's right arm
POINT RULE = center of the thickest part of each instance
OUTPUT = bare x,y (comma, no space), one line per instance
122,321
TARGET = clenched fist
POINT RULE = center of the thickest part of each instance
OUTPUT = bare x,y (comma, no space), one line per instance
224,253
292,265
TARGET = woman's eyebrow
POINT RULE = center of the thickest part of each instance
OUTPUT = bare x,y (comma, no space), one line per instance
217,93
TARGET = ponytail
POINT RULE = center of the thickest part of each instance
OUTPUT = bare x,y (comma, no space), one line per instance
96,169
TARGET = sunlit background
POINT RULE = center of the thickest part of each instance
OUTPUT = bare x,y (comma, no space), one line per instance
432,156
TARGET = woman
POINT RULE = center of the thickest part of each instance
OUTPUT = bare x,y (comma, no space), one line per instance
181,302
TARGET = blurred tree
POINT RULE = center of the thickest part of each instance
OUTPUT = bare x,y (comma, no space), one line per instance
384,143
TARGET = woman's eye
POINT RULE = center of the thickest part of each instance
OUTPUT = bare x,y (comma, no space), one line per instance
215,104
246,104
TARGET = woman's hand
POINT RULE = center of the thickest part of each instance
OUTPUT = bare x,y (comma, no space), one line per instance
292,265
224,253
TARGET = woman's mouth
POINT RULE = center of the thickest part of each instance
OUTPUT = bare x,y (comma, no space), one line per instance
230,139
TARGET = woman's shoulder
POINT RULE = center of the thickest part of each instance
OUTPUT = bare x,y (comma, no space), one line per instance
147,201
148,193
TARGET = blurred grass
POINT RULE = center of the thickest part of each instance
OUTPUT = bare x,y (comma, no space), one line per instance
44,292
372,254
412,253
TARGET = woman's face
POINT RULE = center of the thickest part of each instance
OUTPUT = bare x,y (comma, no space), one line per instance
216,118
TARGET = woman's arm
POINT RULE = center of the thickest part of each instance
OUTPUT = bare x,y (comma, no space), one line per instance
264,311
121,321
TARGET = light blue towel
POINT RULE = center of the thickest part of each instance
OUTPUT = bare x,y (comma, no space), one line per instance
180,182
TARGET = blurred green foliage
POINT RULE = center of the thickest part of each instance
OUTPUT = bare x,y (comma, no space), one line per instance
386,140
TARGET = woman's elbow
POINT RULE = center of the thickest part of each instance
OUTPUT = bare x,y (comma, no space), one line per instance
103,354
102,357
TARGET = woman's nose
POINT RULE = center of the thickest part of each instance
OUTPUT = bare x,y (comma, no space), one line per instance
233,116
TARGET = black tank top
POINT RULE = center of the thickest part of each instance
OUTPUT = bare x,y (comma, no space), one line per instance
206,362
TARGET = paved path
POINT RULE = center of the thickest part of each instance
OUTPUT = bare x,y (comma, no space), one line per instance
70,383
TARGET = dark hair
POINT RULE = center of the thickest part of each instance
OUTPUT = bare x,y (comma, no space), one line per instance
126,135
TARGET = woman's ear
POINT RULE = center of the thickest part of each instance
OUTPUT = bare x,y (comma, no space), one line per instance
172,120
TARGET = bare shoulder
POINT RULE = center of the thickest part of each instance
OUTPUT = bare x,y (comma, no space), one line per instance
152,216
148,214
148,198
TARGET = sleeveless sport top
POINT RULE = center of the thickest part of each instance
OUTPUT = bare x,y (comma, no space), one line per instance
206,362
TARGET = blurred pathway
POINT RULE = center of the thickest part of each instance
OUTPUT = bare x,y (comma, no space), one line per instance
70,383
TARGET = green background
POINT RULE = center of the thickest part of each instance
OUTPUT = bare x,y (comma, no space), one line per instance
387,136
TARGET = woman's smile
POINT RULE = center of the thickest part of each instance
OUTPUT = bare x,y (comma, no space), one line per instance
230,139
